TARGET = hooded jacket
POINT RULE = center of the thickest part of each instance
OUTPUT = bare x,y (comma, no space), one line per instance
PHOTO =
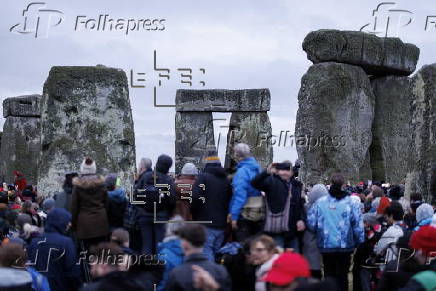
89,207
54,253
217,193
171,251
337,223
247,169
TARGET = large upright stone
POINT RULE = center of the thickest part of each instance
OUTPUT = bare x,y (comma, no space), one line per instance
254,130
376,55
21,137
423,129
85,112
220,100
391,131
194,138
334,118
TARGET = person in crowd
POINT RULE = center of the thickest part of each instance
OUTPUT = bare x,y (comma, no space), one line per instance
424,243
53,253
396,193
337,222
29,208
310,248
25,229
410,217
246,207
28,194
170,249
4,213
13,274
117,202
152,233
264,252
193,238
63,199
145,166
109,270
394,215
424,214
89,205
288,272
211,197
120,236
19,181
184,186
284,204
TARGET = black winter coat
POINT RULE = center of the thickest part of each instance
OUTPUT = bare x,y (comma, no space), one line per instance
217,192
277,191
167,202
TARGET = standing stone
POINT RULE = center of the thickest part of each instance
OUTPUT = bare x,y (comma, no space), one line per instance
423,130
334,118
365,171
391,131
20,143
85,112
194,138
376,55
254,130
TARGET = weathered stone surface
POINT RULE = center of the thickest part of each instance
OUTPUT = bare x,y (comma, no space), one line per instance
376,55
25,106
251,128
220,100
391,131
194,138
336,110
423,133
85,112
20,148
365,171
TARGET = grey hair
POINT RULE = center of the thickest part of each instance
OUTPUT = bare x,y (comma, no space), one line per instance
144,164
242,150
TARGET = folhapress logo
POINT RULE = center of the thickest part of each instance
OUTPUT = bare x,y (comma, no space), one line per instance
38,20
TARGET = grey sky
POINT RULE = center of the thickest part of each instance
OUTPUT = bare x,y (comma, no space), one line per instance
242,44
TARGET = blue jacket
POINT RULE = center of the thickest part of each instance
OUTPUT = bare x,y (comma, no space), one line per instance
423,222
171,251
242,188
39,282
53,253
337,223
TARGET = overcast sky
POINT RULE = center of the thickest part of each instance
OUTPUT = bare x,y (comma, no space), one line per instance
241,44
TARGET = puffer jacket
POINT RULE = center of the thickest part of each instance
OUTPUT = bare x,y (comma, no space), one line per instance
242,188
337,223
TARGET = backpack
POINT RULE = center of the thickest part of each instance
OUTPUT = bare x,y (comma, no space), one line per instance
278,222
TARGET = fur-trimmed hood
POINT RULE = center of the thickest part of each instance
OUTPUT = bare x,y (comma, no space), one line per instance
88,181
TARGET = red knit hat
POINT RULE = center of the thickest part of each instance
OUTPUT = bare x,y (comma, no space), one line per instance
424,239
287,268
384,203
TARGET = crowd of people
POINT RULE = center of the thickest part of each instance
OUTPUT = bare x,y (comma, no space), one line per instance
208,229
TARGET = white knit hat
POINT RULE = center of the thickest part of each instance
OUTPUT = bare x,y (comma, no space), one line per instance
189,169
88,167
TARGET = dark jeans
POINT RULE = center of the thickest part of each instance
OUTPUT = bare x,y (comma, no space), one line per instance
337,265
151,234
247,228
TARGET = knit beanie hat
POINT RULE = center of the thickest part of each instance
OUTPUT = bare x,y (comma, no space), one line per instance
424,238
424,211
189,169
88,167
384,203
48,204
212,160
